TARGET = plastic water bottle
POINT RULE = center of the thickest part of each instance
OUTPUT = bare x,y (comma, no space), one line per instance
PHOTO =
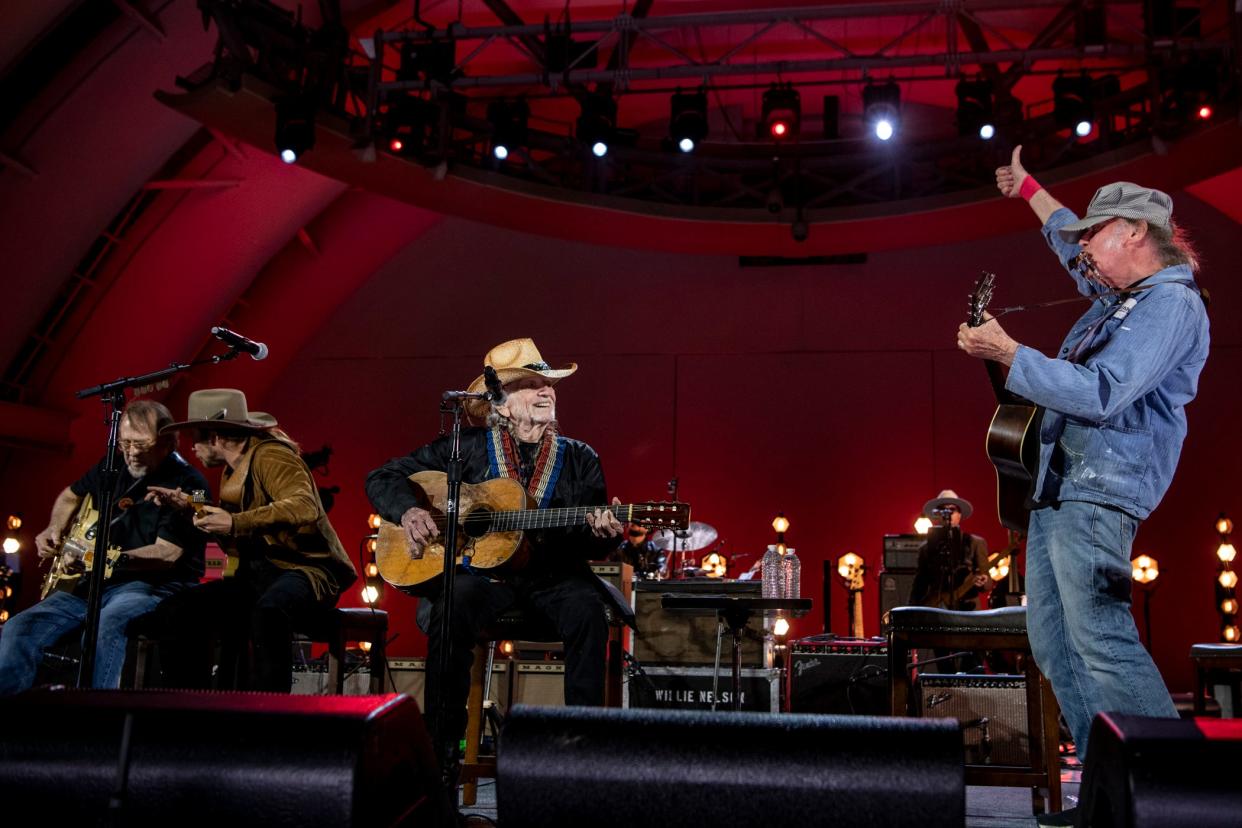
770,573
791,574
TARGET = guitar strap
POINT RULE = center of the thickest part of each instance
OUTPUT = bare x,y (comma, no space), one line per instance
504,460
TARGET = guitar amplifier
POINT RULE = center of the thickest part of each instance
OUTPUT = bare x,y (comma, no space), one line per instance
902,551
690,639
409,676
828,674
991,709
895,588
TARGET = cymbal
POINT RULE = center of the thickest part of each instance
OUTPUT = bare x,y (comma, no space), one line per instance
694,537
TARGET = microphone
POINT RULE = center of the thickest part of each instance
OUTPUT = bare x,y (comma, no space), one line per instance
237,342
495,391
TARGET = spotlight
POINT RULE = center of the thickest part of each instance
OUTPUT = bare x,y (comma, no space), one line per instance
509,130
1205,113
687,123
597,124
295,128
12,545
882,108
1073,104
974,109
782,112
370,594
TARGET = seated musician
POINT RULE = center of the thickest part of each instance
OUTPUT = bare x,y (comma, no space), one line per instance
291,562
520,441
953,565
161,553
640,552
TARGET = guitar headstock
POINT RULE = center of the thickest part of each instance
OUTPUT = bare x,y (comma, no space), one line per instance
853,569
980,298
661,515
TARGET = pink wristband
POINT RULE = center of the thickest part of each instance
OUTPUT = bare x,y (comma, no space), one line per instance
1029,188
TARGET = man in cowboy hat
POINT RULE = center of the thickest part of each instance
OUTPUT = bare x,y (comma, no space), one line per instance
161,554
953,564
290,560
520,440
1114,400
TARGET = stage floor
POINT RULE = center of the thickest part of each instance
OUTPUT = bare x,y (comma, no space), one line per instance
985,807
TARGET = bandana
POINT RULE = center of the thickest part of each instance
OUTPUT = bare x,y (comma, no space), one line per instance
504,460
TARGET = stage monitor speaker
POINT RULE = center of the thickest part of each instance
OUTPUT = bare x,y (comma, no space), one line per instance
606,767
839,675
235,759
1143,772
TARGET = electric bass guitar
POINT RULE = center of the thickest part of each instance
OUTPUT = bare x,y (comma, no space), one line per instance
492,517
1013,436
76,555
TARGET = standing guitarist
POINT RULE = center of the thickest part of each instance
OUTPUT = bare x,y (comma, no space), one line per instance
161,553
520,441
953,564
1114,398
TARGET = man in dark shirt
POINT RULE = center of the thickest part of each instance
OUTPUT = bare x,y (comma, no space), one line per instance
161,552
953,564
520,442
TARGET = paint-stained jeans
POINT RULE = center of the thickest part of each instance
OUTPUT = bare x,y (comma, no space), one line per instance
1078,616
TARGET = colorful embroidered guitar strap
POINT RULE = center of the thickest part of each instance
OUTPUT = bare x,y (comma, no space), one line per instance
503,460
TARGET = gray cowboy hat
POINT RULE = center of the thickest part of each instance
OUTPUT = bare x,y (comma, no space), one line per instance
215,408
948,497
1121,199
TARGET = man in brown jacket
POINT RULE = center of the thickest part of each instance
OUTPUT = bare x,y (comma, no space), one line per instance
290,561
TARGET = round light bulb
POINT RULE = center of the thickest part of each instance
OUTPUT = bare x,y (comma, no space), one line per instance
15,522
883,129
922,524
1224,525
686,145
987,132
500,151
1228,579
1082,129
12,545
1229,606
373,520
288,156
1230,633
599,149
781,627
370,594
1226,553
780,523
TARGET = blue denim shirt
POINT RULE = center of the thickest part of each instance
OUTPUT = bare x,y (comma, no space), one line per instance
1115,417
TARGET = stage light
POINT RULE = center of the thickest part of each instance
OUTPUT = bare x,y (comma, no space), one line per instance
374,520
1229,606
14,522
1226,553
687,122
781,628
1230,633
780,523
509,126
372,570
922,524
295,128
506,648
396,145
370,594
365,646
1145,569
12,545
1073,104
1205,113
597,123
1223,524
882,108
1228,579
974,109
372,544
782,112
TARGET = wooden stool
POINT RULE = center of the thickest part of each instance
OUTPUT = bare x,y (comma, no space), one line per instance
1218,664
336,627
999,629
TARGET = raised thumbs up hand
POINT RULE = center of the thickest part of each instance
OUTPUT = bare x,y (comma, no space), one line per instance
1009,179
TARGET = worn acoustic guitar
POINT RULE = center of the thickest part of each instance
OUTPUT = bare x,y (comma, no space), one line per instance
1013,436
493,515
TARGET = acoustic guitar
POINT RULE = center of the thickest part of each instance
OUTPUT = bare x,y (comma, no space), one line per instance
76,555
1013,436
493,515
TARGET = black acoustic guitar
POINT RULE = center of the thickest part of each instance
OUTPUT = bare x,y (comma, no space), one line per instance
1013,436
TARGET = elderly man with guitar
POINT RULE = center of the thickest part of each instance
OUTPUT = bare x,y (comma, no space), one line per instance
154,552
1114,419
545,568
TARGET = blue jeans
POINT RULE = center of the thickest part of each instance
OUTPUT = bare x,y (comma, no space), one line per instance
26,635
1078,616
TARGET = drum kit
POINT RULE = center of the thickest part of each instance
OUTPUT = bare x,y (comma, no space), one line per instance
680,548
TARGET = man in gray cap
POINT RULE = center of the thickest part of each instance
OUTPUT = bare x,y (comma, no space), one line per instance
1114,419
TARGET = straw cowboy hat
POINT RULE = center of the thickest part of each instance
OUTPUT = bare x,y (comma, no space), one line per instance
514,360
216,408
948,498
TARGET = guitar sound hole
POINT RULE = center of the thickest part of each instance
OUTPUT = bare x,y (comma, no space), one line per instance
478,522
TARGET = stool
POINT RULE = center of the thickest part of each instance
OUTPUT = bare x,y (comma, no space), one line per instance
1218,664
998,629
329,625
336,626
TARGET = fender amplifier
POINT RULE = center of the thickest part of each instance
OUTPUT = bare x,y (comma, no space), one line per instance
991,710
828,674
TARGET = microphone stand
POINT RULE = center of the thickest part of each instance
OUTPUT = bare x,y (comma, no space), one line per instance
112,394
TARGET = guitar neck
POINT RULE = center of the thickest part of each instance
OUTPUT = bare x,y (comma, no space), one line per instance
520,521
